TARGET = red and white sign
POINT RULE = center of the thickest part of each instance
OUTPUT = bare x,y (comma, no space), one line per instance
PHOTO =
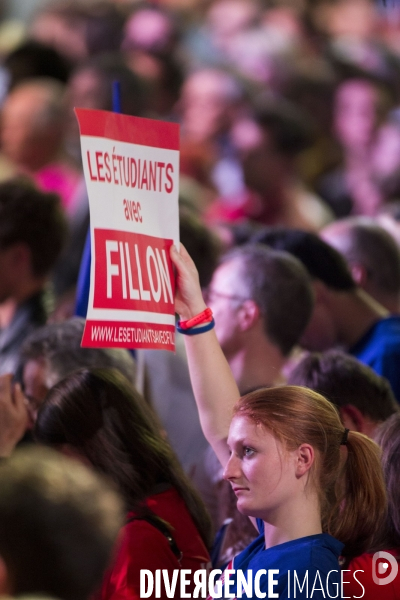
131,168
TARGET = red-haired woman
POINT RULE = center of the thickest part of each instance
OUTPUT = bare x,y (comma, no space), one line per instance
304,480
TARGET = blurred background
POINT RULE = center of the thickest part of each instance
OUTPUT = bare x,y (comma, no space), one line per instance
289,109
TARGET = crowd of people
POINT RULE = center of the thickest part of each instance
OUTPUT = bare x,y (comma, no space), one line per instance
269,443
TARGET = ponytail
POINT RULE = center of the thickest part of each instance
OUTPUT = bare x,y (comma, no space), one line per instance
357,516
347,471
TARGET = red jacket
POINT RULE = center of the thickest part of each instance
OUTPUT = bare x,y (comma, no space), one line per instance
373,591
143,546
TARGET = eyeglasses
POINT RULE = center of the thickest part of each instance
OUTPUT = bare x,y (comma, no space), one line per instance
210,295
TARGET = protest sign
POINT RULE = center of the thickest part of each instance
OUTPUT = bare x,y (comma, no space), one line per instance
131,168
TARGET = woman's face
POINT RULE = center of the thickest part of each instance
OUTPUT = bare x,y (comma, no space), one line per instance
261,471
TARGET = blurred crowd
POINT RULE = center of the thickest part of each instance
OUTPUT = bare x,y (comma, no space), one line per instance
289,110
289,114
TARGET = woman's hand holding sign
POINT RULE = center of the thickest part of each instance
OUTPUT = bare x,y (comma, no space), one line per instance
188,298
213,384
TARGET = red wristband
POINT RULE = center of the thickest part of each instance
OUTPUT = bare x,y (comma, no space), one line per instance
202,317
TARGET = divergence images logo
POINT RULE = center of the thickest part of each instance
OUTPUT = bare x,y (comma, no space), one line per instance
384,568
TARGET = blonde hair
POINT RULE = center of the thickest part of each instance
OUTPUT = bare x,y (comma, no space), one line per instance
351,488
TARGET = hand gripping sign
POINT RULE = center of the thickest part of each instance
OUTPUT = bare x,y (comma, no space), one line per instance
131,168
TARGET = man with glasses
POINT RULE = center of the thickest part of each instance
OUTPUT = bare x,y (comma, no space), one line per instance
261,300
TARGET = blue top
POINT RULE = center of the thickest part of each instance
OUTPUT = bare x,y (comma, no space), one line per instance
308,567
379,348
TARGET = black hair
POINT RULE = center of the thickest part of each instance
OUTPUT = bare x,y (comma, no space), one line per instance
35,218
292,130
321,260
109,68
33,59
344,380
98,412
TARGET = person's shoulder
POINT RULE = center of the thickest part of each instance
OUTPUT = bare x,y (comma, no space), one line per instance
364,561
319,551
144,546
304,568
325,552
388,329
362,576
317,566
383,339
137,528
169,506
167,500
253,553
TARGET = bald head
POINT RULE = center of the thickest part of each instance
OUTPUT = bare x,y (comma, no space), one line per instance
372,255
32,123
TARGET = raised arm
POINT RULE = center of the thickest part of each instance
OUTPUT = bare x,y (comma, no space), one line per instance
213,384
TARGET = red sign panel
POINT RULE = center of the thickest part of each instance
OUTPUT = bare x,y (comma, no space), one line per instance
131,168
132,272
